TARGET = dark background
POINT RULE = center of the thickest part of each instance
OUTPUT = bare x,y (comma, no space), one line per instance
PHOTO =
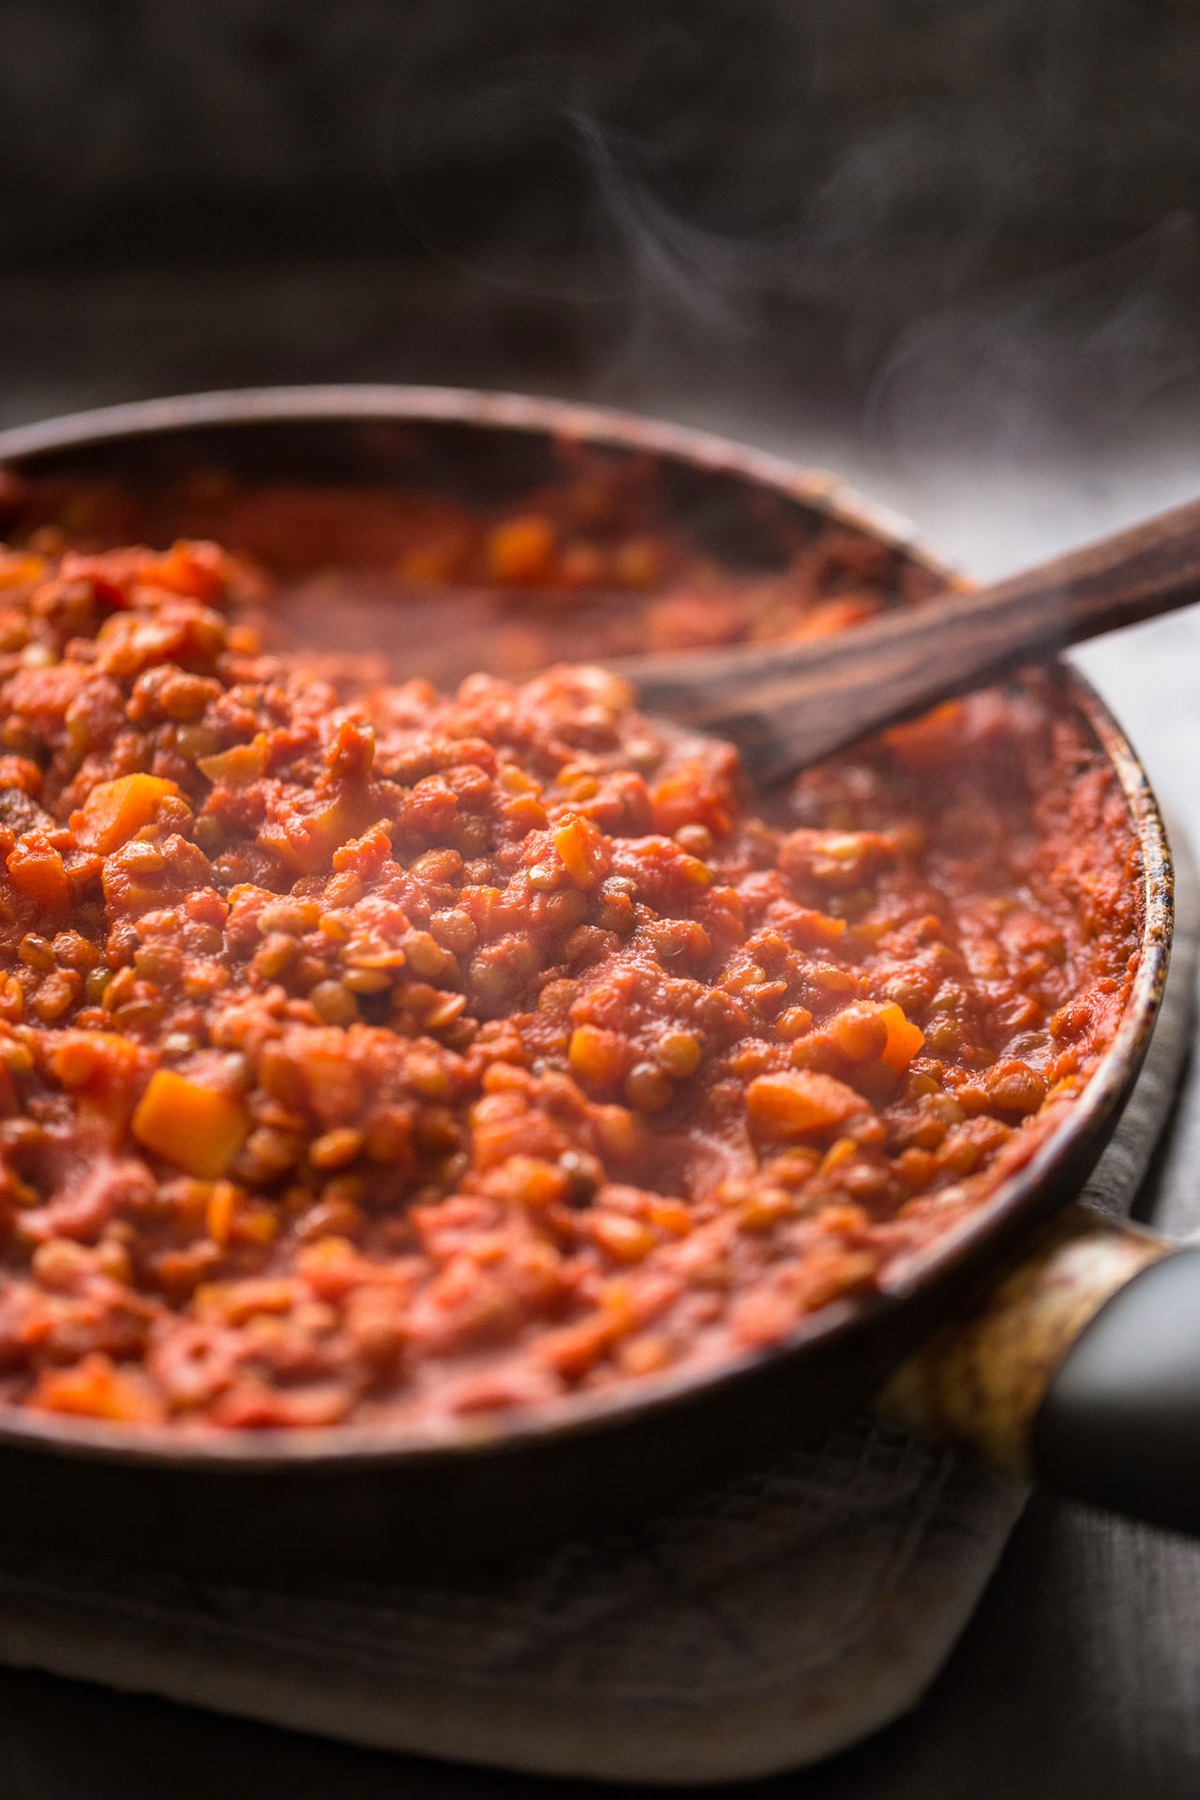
1001,132
947,246
894,211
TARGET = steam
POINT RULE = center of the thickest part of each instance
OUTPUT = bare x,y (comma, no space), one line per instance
691,191
700,275
589,227
1050,367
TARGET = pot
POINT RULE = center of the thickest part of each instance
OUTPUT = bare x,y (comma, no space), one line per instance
359,1498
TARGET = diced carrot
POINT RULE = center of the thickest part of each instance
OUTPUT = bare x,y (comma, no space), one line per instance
521,549
197,569
100,1068
19,569
692,793
574,1349
860,1032
233,1302
811,930
797,1102
672,1216
95,1388
238,766
115,810
306,841
254,1222
904,1039
37,872
840,1151
196,1128
219,1212
365,855
331,1267
582,850
250,1404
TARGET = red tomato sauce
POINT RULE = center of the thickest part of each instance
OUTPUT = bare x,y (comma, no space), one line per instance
369,1053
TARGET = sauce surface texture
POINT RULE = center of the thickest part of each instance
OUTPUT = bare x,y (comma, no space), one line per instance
369,1053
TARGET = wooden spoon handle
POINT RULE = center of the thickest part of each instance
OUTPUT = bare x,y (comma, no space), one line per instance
786,705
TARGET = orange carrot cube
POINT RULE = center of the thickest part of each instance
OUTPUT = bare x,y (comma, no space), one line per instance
115,811
37,872
97,1389
904,1039
521,549
582,850
239,765
197,1128
799,1102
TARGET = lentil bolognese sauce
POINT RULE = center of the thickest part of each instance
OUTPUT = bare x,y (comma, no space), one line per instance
371,1052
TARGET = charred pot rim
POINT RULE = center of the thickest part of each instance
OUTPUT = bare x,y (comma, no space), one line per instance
914,1290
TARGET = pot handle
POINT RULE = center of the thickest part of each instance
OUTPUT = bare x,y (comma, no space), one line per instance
1080,1370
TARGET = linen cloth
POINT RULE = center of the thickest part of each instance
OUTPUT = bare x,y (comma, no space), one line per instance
759,1628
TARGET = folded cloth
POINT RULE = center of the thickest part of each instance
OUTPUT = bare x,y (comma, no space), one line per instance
757,1629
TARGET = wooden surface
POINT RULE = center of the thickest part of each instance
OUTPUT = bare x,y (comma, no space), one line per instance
1078,1677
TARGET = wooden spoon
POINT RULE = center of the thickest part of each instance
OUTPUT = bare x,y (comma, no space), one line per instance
786,705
